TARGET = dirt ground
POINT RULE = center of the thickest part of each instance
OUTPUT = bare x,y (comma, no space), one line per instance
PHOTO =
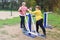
15,33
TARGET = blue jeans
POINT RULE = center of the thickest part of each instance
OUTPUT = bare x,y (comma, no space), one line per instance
22,23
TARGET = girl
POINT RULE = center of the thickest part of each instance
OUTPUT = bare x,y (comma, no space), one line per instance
39,20
23,10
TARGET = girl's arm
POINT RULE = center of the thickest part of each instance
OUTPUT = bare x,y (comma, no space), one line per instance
19,9
34,12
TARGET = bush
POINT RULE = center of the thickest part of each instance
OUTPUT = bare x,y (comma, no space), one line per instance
58,11
30,3
9,5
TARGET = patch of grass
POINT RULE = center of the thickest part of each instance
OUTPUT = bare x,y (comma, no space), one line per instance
12,21
54,19
1,23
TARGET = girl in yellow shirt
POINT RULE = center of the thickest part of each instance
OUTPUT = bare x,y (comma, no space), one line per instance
39,19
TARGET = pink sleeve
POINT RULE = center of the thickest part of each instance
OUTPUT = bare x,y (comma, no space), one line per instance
26,8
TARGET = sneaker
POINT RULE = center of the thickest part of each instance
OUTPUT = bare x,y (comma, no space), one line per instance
44,36
21,27
25,29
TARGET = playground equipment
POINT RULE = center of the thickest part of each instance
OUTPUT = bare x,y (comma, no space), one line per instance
33,33
46,25
28,26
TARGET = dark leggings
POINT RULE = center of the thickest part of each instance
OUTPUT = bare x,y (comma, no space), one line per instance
22,21
40,23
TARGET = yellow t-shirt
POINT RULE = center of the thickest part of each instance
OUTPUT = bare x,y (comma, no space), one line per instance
37,13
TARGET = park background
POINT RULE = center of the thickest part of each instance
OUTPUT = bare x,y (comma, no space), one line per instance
9,19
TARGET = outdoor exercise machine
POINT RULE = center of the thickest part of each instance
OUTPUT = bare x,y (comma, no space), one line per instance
30,22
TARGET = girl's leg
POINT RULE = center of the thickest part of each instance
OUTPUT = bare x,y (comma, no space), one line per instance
37,27
41,25
21,22
24,23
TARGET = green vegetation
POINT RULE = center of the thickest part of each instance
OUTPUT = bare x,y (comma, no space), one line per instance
9,21
30,3
13,5
46,5
54,20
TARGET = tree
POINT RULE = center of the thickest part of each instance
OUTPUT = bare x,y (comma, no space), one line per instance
20,1
49,4
31,3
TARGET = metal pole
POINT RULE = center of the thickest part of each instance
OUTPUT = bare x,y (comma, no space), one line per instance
11,7
45,19
46,25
